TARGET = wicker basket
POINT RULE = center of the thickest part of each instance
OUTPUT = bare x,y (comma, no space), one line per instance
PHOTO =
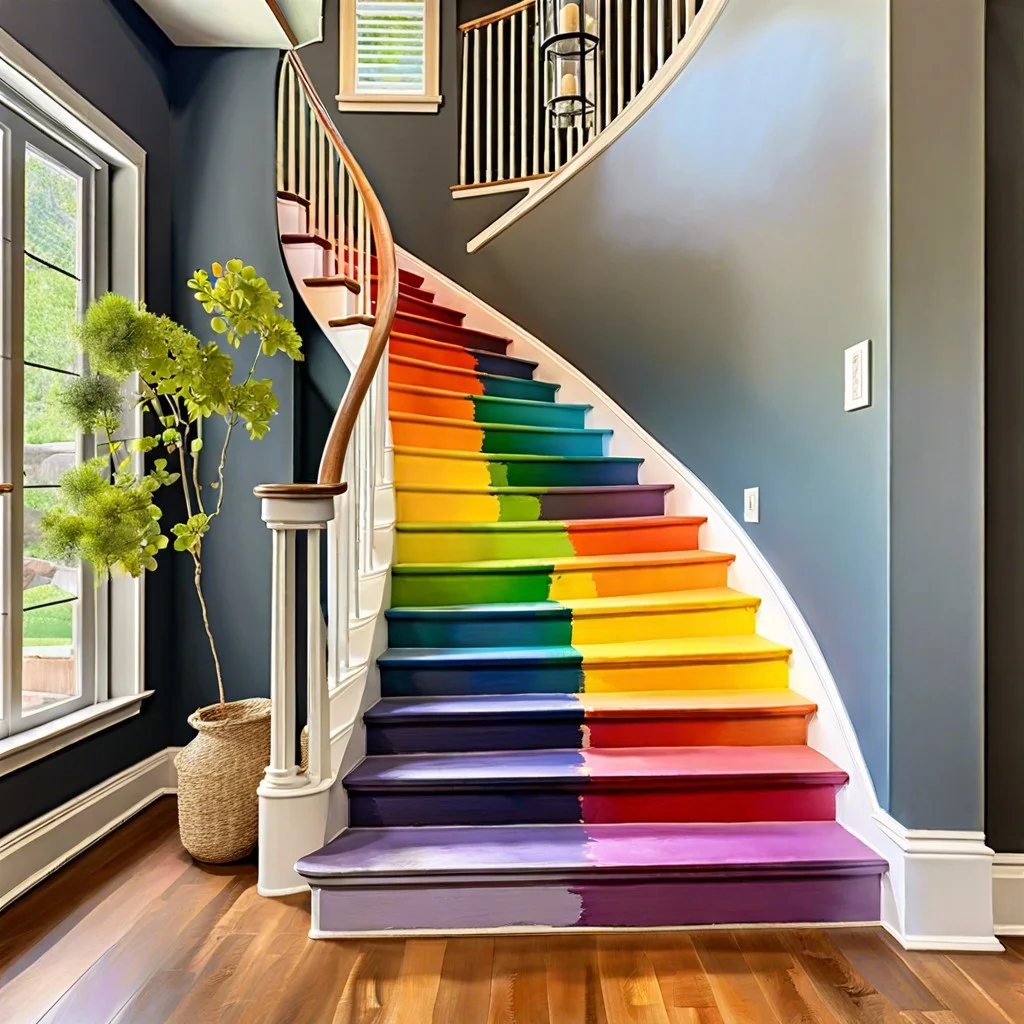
218,773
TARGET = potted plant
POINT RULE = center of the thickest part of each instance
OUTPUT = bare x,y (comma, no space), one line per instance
107,515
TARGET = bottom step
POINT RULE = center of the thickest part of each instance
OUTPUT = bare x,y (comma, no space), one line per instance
593,876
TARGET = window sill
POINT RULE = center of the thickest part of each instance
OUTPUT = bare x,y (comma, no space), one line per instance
35,744
388,104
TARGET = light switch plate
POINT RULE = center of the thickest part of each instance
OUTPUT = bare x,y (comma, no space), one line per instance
752,505
857,376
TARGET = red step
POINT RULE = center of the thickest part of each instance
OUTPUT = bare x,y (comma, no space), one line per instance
468,337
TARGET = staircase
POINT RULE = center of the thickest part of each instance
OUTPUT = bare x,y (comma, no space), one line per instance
579,724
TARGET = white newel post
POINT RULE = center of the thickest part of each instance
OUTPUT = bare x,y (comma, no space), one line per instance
293,803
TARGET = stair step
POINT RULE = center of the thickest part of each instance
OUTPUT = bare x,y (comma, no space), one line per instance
340,280
442,353
436,330
597,876
417,465
474,542
742,662
595,785
411,309
497,438
406,371
529,721
426,401
666,616
425,502
552,579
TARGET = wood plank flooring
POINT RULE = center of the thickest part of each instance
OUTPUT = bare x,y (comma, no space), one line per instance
134,933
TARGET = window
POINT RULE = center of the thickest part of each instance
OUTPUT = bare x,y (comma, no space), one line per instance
389,55
70,652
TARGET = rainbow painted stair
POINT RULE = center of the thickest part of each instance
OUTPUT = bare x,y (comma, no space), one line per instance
580,726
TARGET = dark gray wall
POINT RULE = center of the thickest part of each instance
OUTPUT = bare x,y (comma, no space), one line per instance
114,57
223,124
1004,489
937,387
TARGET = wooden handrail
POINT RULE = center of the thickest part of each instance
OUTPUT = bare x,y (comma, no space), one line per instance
6,488
333,459
487,19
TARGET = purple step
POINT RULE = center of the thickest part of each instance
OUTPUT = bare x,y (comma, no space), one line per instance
566,876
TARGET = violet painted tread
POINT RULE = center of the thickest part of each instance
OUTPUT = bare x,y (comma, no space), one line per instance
797,765
560,849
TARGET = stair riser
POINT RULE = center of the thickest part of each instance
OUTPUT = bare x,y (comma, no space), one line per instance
417,307
693,901
482,362
480,545
448,507
464,682
428,469
535,733
447,379
349,265
428,590
470,438
449,334
525,631
521,805
551,414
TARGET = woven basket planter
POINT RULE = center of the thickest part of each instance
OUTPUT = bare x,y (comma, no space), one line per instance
218,772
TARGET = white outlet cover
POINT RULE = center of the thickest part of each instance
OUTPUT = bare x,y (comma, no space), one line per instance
857,376
752,505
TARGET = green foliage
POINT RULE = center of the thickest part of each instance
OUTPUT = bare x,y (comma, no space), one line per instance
92,403
107,514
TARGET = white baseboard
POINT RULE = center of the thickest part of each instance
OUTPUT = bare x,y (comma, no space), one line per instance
36,850
1008,893
938,892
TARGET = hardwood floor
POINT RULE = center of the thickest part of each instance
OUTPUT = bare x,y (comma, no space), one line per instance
134,933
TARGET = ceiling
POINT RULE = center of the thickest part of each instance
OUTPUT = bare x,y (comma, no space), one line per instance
274,24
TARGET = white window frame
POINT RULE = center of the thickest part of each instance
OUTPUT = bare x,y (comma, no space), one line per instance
41,97
389,103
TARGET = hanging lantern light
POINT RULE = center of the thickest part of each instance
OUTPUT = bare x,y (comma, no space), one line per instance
569,38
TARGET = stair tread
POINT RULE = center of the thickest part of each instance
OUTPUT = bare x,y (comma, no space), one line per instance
711,597
458,453
610,765
699,649
517,428
464,371
563,563
420,389
446,346
596,489
587,849
468,331
554,525
652,704
437,305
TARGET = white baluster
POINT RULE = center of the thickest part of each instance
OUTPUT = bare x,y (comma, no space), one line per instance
501,101
647,40
620,52
513,121
478,118
489,126
523,99
538,117
607,28
352,535
292,186
691,13
281,115
464,122
634,59
661,32
317,698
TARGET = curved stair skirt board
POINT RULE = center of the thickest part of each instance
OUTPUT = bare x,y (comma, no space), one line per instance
956,870
646,98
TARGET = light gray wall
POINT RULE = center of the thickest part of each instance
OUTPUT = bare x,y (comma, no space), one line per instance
708,271
937,472
1004,486
225,207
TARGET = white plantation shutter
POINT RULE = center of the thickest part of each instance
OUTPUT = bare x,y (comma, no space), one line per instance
390,47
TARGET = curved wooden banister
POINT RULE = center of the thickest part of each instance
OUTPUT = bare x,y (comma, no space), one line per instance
340,435
487,19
